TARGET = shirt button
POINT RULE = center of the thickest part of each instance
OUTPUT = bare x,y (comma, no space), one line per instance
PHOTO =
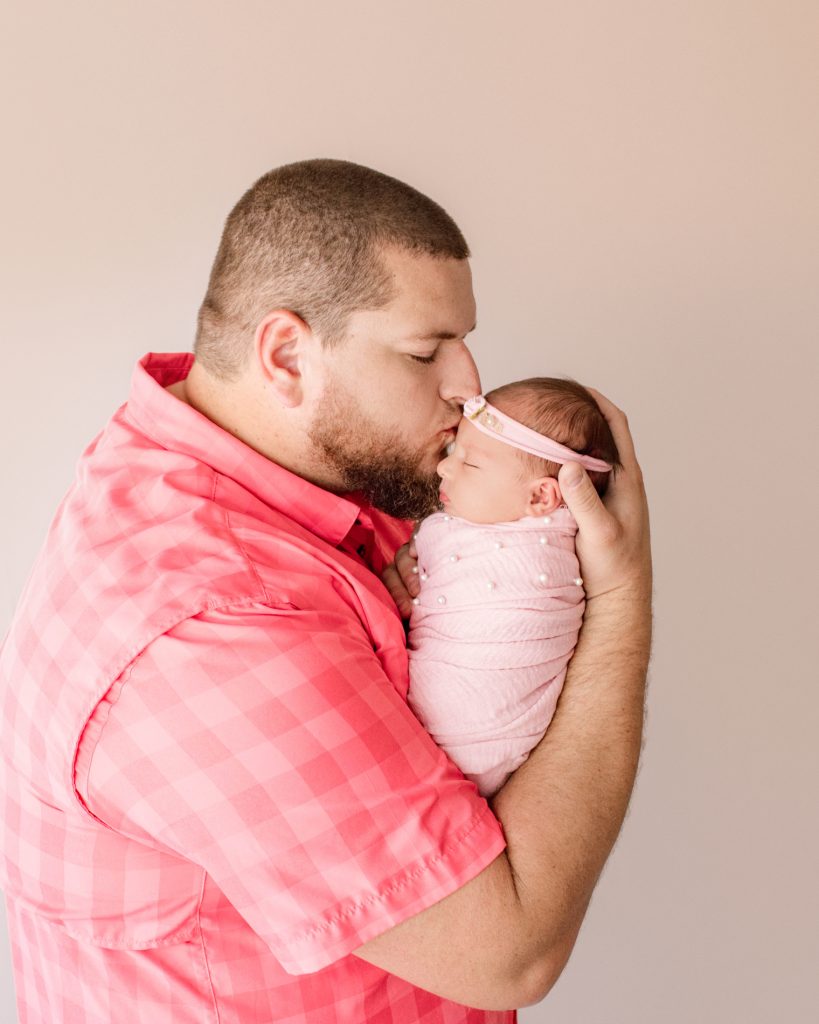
362,550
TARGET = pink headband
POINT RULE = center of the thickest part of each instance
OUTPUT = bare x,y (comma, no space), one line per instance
503,428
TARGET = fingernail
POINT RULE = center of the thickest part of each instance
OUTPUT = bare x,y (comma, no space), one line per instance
572,474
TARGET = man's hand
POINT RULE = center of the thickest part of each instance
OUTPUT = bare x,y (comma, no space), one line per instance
401,578
613,534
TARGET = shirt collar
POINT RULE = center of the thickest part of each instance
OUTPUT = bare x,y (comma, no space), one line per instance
179,427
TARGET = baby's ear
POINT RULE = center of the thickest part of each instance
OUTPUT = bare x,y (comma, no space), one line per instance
544,496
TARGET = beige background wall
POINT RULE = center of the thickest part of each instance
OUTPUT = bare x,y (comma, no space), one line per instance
638,181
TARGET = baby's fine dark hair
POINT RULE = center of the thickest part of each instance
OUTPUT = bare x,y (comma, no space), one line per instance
564,411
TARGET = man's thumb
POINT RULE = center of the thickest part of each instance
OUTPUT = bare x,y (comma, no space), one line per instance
577,489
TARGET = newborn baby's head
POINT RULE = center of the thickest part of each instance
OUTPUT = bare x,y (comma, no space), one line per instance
488,480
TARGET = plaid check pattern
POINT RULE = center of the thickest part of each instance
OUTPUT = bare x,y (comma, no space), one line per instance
213,788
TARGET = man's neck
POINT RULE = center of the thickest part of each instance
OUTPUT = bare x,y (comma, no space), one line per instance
178,390
233,408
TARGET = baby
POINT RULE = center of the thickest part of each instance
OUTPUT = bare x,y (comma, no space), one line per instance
501,601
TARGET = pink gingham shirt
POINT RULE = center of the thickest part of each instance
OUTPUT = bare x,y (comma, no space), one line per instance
214,790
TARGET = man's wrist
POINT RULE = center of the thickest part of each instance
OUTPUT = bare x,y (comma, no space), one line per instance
617,630
629,600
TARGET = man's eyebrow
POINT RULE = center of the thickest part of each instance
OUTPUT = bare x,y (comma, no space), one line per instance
442,335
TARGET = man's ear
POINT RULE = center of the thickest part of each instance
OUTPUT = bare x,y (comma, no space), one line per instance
544,496
279,347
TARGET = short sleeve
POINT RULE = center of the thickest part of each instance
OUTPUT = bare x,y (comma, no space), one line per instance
269,747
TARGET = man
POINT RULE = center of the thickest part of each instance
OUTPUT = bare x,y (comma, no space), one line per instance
218,806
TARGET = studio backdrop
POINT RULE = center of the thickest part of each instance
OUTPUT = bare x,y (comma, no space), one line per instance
638,184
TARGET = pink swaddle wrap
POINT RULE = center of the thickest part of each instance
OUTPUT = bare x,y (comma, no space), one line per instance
495,625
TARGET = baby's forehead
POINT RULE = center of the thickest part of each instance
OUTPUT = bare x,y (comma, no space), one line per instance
475,441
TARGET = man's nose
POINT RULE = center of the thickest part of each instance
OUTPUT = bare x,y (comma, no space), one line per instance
460,380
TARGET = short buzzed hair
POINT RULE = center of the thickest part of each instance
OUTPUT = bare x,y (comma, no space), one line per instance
308,237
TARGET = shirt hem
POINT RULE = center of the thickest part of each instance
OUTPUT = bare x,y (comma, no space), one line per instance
333,939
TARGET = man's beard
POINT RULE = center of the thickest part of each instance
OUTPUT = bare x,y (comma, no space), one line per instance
372,462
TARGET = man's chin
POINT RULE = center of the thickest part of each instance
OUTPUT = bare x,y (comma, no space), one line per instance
378,467
403,499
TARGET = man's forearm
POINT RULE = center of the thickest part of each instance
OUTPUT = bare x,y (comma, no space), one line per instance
562,809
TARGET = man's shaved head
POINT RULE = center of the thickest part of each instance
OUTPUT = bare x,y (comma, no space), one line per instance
307,237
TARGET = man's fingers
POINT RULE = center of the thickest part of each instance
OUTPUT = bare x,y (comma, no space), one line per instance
398,592
406,564
401,578
618,423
